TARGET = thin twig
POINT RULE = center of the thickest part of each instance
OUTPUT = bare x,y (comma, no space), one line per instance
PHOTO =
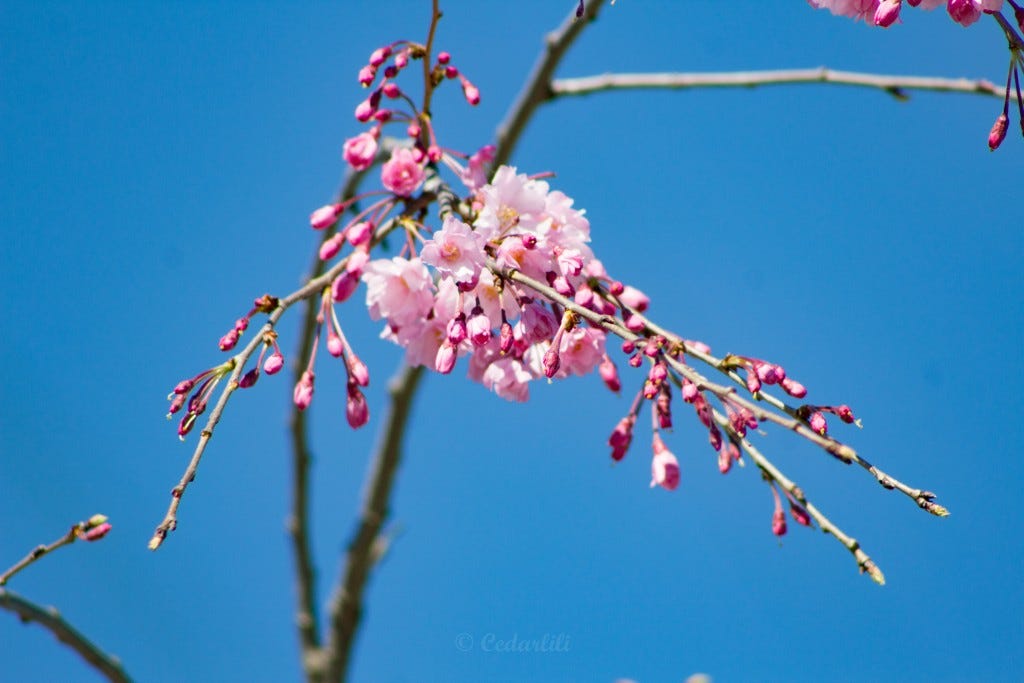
864,562
924,499
50,619
38,552
898,86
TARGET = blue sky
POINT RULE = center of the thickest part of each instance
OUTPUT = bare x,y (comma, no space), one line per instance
159,163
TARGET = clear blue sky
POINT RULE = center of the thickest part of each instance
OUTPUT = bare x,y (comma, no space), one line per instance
159,162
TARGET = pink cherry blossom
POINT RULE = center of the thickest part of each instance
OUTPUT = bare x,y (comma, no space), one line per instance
360,150
581,350
508,379
510,201
398,289
664,466
455,250
402,173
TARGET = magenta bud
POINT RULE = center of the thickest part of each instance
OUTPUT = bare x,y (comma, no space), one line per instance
634,298
609,374
228,341
444,362
358,370
382,115
413,130
628,347
97,532
658,373
176,404
443,57
249,378
303,393
818,423
451,72
998,132
344,285
364,111
434,153
724,459
506,337
664,466
715,437
635,360
471,92
844,413
634,323
690,391
456,329
621,437
331,246
887,13
359,233
242,324
478,327
799,514
335,347
779,522
325,216
793,388
366,75
378,56
616,288
391,90
753,382
356,410
274,363
402,59
551,361
184,386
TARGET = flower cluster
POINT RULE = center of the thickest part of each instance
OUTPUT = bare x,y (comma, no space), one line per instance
887,12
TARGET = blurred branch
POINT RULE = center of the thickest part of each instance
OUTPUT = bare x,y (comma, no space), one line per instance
537,88
50,619
368,545
897,86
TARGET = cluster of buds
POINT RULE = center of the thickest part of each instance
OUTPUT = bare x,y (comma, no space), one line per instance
760,372
815,416
798,511
264,304
885,13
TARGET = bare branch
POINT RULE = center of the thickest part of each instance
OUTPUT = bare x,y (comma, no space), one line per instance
50,619
898,86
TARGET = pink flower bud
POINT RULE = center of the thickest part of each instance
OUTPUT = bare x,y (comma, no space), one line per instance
818,423
364,111
366,75
793,388
634,323
635,360
331,246
378,56
998,132
274,363
391,90
242,324
414,130
715,437
456,329
249,378
529,241
335,347
176,404
634,298
478,327
356,410
664,466
444,362
779,523
383,115
451,72
325,216
303,393
228,341
753,382
844,413
621,437
360,233
402,59
434,153
471,92
184,386
343,286
724,459
360,150
551,361
628,347
506,337
609,374
97,532
887,13
964,12
799,514
358,371
690,391
443,57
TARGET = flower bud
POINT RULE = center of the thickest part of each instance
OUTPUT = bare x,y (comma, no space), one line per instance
356,410
998,132
325,216
274,363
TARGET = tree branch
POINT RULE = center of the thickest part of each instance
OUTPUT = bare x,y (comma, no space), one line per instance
50,619
896,86
368,545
